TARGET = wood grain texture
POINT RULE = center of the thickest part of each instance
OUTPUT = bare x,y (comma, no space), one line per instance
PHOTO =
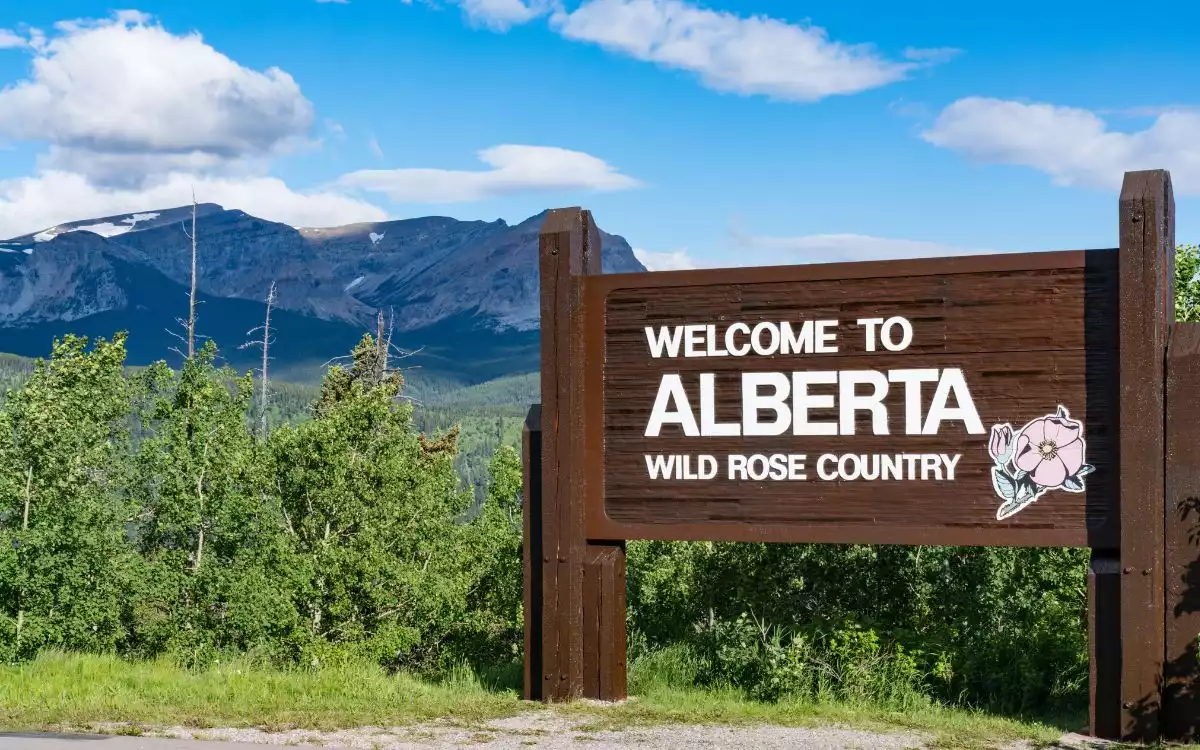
1104,644
576,602
1181,685
1030,332
531,552
1146,276
561,247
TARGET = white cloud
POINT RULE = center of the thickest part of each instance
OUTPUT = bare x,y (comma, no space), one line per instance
10,39
1073,146
500,15
830,248
678,260
122,91
754,55
28,204
730,53
373,144
514,169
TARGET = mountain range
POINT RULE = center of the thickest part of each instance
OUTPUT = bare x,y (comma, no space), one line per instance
463,295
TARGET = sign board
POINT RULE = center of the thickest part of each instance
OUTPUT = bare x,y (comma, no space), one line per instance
950,401
1033,399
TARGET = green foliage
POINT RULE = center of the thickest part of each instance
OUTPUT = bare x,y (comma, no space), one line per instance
64,477
1003,627
1187,283
209,535
142,514
372,509
378,520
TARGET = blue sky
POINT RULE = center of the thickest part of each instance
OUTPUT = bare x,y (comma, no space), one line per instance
721,134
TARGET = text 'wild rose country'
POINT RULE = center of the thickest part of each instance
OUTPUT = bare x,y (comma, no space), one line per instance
778,403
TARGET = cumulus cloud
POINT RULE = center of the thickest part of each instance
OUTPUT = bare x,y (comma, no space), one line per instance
105,92
29,204
514,169
1073,146
678,260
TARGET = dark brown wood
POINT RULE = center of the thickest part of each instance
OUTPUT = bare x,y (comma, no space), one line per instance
592,605
531,551
1030,332
1181,688
1147,310
575,604
1104,644
604,622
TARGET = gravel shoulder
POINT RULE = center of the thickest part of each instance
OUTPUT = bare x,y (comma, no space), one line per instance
535,729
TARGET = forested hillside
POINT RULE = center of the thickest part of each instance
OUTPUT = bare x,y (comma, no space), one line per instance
488,415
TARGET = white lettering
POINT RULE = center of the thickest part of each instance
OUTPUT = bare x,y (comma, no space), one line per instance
670,391
870,324
906,334
952,382
709,427
669,345
851,402
753,402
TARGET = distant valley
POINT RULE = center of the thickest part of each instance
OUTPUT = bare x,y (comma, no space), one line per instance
463,294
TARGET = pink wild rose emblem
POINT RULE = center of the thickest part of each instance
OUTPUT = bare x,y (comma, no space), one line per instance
1046,454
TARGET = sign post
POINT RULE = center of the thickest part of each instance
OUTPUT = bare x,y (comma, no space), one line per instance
1002,400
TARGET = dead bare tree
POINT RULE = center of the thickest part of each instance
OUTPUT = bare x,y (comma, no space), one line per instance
189,324
265,343
385,352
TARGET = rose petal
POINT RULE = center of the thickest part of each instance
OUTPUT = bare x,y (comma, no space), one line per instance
1049,473
1068,432
1051,425
1027,457
1036,431
1071,455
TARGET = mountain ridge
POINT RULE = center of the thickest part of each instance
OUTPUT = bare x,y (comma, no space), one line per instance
446,283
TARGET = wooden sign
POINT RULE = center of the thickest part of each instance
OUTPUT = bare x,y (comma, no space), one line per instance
1007,399
953,401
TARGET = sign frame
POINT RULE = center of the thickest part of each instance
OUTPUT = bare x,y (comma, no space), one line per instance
1143,593
594,292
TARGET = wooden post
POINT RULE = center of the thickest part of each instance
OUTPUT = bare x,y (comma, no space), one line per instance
1181,670
531,551
1104,645
1147,309
577,646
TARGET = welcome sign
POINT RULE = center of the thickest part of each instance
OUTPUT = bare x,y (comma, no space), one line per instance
949,401
1041,399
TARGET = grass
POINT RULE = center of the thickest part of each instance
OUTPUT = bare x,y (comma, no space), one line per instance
70,691
75,692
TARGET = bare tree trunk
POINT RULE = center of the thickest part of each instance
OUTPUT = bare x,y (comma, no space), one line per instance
24,527
191,324
266,343
387,344
28,495
379,367
200,500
